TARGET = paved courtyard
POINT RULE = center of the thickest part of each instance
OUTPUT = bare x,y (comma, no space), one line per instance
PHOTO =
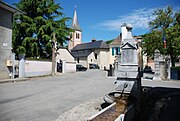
47,98
60,98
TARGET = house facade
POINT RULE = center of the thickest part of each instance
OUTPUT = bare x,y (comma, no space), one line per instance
64,51
114,49
96,52
65,58
6,17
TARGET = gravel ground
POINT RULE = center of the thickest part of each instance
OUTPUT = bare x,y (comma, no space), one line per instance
83,111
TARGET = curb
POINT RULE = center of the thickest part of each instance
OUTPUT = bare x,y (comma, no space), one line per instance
13,80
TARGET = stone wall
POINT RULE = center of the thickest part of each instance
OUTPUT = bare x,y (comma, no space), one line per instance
5,42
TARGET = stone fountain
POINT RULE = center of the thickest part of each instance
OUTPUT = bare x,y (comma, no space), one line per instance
128,82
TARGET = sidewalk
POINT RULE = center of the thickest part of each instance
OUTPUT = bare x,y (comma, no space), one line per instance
161,83
13,80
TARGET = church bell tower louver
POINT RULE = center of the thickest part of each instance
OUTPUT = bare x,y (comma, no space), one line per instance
76,36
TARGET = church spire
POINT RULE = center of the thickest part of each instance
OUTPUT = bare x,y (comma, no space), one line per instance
75,24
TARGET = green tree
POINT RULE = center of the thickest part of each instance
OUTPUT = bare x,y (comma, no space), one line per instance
168,22
42,18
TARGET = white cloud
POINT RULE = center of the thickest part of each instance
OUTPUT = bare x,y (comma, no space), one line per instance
138,18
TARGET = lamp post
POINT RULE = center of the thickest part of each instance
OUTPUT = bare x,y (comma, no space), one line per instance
18,21
53,54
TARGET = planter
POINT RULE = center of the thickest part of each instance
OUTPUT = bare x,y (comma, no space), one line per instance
175,73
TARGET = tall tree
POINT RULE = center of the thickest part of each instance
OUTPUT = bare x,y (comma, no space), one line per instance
42,18
166,25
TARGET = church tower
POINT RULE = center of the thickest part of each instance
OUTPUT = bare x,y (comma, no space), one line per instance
76,36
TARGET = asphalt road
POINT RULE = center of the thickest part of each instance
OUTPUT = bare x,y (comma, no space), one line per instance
46,98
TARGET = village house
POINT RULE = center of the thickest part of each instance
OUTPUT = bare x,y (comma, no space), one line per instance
95,52
6,17
114,49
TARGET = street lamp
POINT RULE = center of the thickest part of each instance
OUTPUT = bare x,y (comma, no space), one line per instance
18,21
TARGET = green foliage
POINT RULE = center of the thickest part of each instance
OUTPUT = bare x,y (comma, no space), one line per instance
21,50
109,41
42,18
177,67
168,22
34,50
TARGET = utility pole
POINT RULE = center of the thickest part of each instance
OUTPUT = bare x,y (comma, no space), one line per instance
53,54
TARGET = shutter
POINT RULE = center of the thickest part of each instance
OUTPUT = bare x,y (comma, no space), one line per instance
112,51
118,50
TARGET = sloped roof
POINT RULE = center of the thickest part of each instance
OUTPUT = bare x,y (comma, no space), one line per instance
75,24
81,53
117,41
91,45
10,8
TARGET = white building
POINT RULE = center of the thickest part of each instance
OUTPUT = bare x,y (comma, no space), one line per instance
6,17
96,52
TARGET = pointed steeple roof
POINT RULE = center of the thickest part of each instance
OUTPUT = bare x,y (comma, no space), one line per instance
75,24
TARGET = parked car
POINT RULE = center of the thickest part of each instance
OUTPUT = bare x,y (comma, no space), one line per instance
80,68
147,69
93,66
148,73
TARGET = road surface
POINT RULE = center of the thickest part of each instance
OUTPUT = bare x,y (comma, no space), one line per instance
46,98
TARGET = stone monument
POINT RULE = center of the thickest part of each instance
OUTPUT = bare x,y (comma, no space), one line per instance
161,66
127,71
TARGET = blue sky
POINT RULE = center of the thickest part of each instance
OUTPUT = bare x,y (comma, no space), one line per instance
102,19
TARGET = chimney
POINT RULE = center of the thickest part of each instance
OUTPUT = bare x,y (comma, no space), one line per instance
93,39
124,31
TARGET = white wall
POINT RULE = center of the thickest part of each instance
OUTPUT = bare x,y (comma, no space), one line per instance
70,67
113,58
91,59
83,61
104,59
64,54
37,68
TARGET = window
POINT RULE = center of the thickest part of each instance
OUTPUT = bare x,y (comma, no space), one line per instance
71,36
77,35
95,55
116,51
